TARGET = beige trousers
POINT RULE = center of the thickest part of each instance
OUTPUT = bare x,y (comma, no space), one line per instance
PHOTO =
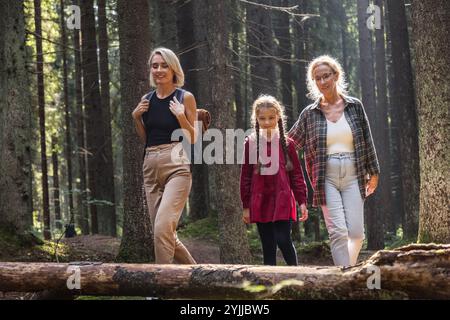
167,182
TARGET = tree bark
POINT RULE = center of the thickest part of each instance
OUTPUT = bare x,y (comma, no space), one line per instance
101,195
15,121
55,167
108,225
165,29
200,201
236,18
135,37
383,196
234,246
261,49
67,115
301,32
198,198
281,28
404,116
433,98
82,207
41,106
374,222
92,102
300,43
413,272
395,162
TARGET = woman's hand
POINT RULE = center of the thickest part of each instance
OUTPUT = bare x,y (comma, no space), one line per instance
141,108
304,212
246,215
176,107
371,185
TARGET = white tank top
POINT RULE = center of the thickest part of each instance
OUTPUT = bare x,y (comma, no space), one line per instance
339,136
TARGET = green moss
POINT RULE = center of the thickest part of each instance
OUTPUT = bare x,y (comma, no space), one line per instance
206,229
28,247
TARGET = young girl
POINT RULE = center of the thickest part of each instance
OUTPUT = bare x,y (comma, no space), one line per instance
268,196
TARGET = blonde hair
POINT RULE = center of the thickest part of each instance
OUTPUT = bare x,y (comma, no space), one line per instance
341,85
267,101
172,61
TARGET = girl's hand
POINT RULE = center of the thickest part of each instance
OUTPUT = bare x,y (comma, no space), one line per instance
304,212
371,185
246,215
141,108
176,107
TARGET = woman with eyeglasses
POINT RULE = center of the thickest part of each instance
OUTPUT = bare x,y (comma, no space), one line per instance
340,156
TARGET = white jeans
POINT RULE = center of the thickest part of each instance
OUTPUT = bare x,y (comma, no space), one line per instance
344,211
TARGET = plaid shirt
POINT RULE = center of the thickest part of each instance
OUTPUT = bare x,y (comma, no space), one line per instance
310,133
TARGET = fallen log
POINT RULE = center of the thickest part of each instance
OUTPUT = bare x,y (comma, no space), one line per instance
415,271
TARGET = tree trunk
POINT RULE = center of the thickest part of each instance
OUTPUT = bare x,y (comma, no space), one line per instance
374,222
234,246
92,102
15,121
41,106
300,36
67,116
165,31
82,207
343,21
413,272
187,43
101,196
301,29
383,196
200,198
404,116
106,183
56,202
432,67
134,35
395,162
281,30
261,49
236,18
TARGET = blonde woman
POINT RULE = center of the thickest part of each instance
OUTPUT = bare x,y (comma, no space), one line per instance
167,182
340,156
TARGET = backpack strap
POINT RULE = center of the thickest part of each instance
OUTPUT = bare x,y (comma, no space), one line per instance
179,94
149,95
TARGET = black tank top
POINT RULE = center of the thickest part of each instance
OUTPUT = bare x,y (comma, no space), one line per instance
159,121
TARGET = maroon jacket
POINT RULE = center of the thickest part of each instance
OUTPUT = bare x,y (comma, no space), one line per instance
272,197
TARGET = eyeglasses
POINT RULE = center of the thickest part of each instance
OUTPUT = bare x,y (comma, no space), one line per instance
325,77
